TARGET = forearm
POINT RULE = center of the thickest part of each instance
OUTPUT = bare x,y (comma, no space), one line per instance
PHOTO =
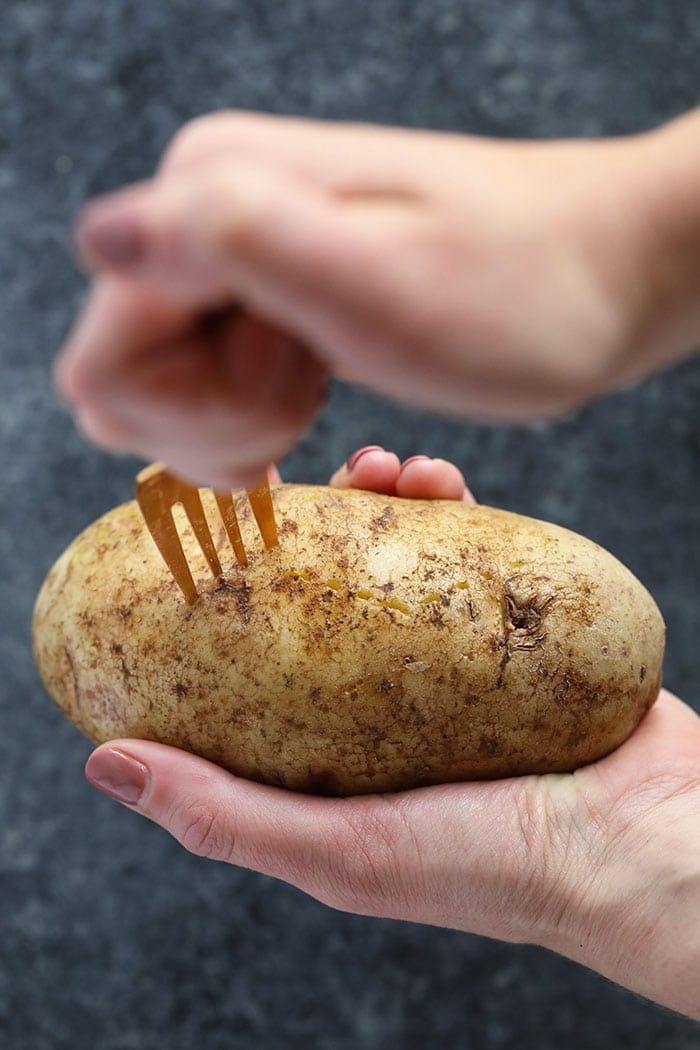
665,236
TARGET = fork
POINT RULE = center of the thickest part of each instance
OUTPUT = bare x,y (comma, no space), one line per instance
158,491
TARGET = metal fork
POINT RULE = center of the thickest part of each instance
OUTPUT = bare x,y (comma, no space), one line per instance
158,491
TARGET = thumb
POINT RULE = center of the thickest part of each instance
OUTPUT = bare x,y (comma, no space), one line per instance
279,244
457,855
311,842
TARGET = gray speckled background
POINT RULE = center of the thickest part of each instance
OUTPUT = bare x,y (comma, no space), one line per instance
111,937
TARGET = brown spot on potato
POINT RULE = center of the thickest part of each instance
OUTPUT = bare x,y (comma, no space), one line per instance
73,676
489,745
435,616
570,690
241,593
383,521
322,782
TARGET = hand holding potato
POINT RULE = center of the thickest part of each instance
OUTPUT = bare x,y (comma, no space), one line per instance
601,865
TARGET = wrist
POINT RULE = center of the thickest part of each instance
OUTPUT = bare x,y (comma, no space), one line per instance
664,187
634,914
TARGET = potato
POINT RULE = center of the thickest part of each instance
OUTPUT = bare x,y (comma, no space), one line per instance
385,644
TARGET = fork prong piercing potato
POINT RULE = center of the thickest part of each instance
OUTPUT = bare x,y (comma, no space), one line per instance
384,644
158,491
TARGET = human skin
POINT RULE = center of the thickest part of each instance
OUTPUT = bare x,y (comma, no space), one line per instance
490,279
500,280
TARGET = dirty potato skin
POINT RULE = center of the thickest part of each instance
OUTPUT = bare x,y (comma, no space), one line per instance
385,644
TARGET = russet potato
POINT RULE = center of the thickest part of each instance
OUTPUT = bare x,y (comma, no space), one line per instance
385,644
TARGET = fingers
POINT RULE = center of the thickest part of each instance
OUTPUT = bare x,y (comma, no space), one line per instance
191,238
425,478
340,156
310,842
216,400
419,477
451,855
119,323
340,273
370,468
246,238
242,230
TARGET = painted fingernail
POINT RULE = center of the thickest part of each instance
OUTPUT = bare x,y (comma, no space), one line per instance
357,456
109,233
117,774
412,459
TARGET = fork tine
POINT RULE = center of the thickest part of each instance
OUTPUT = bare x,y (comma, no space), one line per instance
261,502
156,492
188,496
154,496
227,510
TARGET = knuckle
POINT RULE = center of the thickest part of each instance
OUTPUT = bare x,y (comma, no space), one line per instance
200,830
202,135
239,202
191,141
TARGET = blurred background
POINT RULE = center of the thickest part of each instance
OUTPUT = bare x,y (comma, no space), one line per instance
111,936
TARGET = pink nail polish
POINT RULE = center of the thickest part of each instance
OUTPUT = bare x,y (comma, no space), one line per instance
117,774
109,234
357,456
413,459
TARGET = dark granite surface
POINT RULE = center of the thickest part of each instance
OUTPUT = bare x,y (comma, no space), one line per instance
111,937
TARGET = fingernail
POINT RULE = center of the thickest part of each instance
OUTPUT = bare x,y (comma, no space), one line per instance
109,233
357,456
412,459
117,774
